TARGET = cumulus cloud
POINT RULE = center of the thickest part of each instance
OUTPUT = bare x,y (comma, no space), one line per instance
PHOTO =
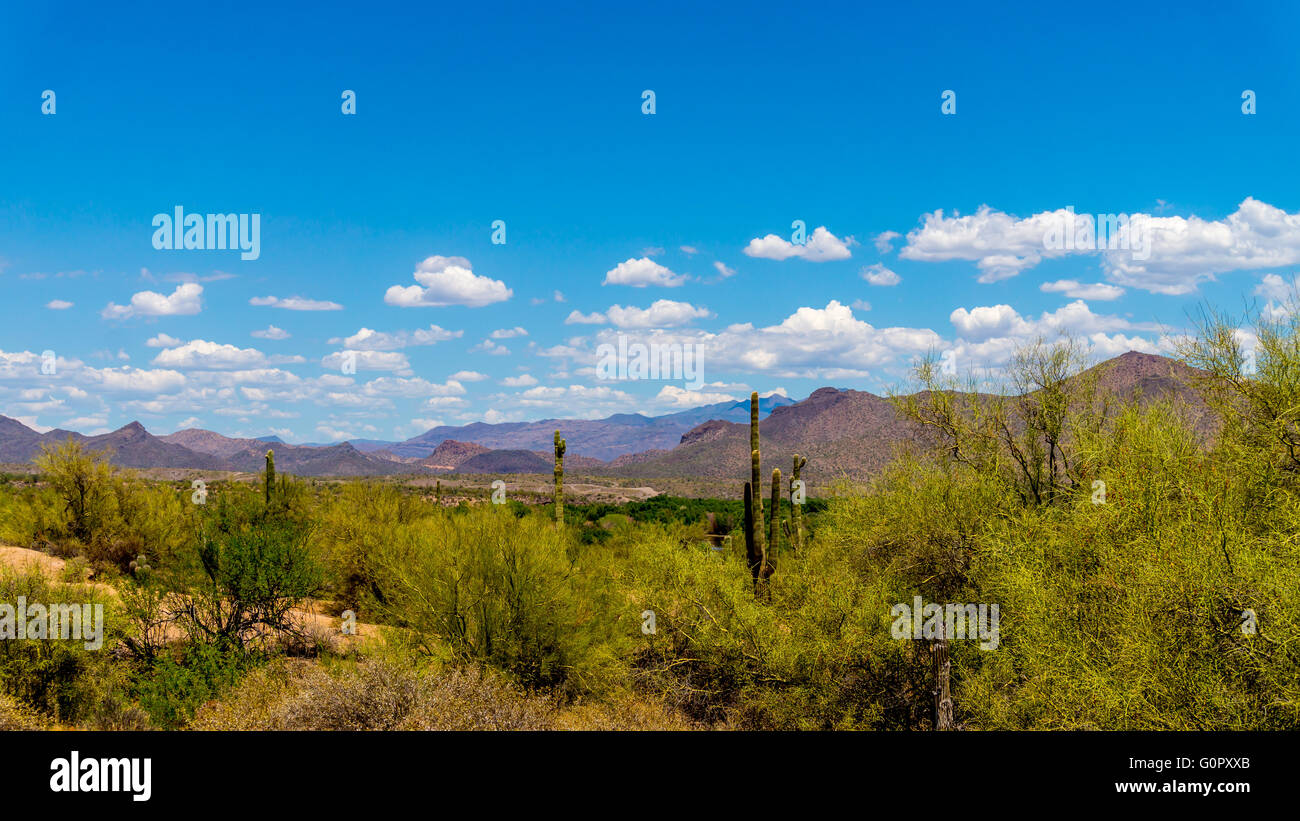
183,301
878,274
580,400
469,376
200,353
1098,291
810,343
447,281
1160,254
642,272
368,340
509,333
163,341
521,381
368,361
664,313
989,335
822,246
1185,251
489,347
991,321
724,271
388,386
136,380
271,332
1282,295
884,241
578,318
295,303
671,396
58,305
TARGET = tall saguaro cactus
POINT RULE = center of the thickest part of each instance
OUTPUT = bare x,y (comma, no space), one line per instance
270,475
560,447
752,554
774,528
796,509
755,460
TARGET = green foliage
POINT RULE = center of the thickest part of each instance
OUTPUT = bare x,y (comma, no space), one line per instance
83,482
62,679
179,683
512,593
256,568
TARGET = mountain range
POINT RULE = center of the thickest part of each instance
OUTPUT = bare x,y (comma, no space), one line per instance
843,433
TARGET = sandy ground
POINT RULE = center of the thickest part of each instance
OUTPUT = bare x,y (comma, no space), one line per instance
310,617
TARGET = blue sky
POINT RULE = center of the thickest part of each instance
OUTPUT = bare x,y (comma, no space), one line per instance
765,114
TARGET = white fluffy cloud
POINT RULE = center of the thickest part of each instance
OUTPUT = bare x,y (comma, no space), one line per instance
136,380
822,246
1099,291
413,388
271,332
1166,255
810,343
509,333
521,381
576,317
447,281
1002,245
200,353
884,241
368,340
183,301
664,313
878,274
368,361
163,341
1003,321
58,305
295,303
671,396
639,273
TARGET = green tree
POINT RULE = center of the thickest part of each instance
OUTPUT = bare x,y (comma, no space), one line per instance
84,481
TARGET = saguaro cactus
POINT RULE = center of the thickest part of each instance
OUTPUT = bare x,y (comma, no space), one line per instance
559,480
774,528
942,672
437,492
270,475
796,510
752,553
755,460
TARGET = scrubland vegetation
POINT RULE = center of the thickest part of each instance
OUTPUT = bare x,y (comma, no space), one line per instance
1126,610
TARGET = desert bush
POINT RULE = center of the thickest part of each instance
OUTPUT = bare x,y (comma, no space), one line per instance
16,716
376,694
185,677
508,592
59,678
256,567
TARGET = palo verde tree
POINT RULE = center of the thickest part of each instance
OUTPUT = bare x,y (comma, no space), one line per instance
1025,435
83,480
